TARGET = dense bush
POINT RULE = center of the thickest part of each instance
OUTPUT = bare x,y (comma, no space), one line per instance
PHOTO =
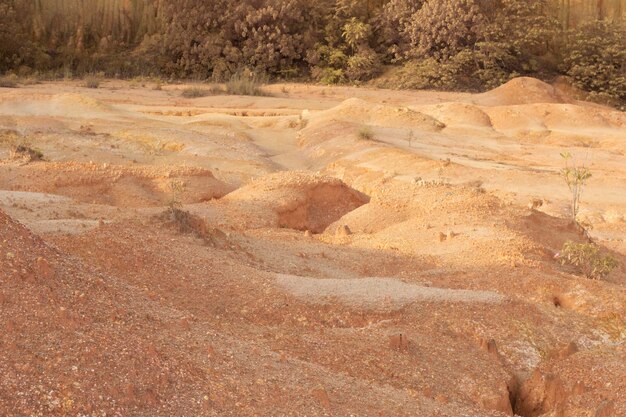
595,58
394,25
479,45
442,28
345,51
219,38
18,49
9,46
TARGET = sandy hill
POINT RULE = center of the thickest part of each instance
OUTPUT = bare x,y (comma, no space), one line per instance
115,185
72,341
294,200
522,90
332,252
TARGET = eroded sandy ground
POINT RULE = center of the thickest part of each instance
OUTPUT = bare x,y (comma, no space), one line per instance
319,273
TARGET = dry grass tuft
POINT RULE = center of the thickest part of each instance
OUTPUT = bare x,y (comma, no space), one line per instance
366,133
246,85
92,82
26,153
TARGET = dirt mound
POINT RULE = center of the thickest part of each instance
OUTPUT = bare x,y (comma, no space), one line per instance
556,116
522,90
65,105
70,340
117,185
458,115
296,200
561,124
355,109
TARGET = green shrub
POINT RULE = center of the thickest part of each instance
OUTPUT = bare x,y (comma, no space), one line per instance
394,24
330,76
478,49
345,53
595,59
588,259
457,73
442,28
363,65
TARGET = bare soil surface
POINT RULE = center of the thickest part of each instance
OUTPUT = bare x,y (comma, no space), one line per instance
321,251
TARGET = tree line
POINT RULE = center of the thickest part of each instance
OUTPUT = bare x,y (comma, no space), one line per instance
444,44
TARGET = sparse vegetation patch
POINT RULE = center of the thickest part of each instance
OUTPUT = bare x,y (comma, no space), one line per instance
366,133
588,259
242,84
7,82
92,82
26,153
195,92
575,176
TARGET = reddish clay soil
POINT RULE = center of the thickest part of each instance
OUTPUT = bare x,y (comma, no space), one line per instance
263,256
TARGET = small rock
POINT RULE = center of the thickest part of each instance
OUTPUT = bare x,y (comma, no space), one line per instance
490,346
184,323
322,397
566,351
43,268
210,352
450,234
442,399
399,342
606,409
535,203
307,233
344,230
442,236
579,388
612,216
